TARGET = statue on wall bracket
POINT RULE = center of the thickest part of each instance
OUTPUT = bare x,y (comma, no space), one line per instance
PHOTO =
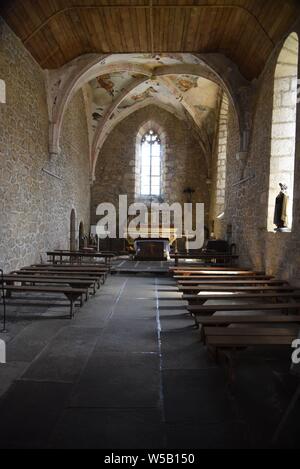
281,207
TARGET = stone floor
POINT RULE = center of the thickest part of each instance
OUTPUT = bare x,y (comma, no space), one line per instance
129,372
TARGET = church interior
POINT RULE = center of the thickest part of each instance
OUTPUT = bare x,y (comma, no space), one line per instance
115,341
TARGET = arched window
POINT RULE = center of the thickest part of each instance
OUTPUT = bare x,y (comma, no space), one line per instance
2,92
150,165
282,161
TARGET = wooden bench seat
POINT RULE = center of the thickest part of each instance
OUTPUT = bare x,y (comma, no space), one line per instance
97,277
69,272
226,341
202,278
244,319
204,267
94,265
211,257
72,294
233,288
79,255
76,271
246,336
198,310
73,268
239,282
46,280
201,299
216,274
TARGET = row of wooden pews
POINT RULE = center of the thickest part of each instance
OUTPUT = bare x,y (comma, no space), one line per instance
236,308
75,282
213,258
61,257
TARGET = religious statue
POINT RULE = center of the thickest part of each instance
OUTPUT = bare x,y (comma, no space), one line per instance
280,215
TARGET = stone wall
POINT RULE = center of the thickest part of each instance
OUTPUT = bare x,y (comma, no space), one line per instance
184,163
247,202
35,207
284,125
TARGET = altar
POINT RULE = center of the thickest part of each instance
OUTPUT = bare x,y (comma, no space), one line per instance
151,249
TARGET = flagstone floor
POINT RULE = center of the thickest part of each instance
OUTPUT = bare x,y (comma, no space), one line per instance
129,372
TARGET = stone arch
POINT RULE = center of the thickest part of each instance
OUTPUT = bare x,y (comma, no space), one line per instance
63,84
283,139
73,230
163,73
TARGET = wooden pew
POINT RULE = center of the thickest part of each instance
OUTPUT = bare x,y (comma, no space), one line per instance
68,264
185,274
194,289
236,289
71,267
85,283
295,371
79,255
227,340
197,311
68,271
207,257
201,299
99,278
72,294
201,278
233,282
246,319
207,268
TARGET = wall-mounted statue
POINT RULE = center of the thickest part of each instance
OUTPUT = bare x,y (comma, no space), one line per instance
281,206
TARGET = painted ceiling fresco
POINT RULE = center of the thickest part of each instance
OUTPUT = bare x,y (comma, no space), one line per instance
115,95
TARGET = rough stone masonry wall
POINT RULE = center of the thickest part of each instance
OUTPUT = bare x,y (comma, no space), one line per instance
247,204
34,207
183,160
284,125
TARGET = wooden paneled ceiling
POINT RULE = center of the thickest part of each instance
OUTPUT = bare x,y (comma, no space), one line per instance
57,31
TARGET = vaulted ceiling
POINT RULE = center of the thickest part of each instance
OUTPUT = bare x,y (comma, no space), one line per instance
57,31
112,96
